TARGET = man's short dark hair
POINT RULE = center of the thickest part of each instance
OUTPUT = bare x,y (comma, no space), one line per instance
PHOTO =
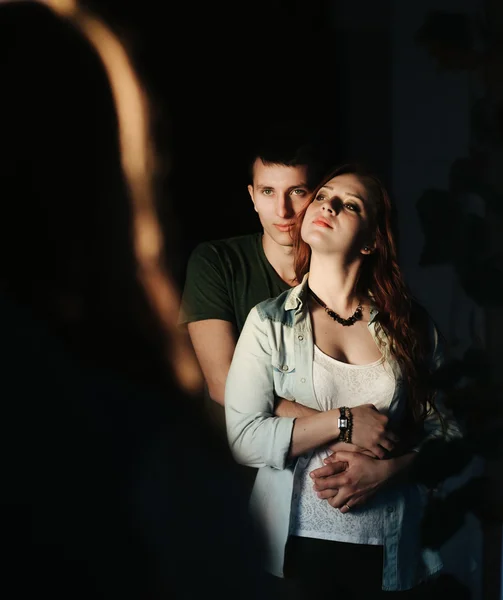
291,145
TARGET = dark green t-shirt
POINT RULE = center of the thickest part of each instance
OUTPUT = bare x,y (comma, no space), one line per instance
226,278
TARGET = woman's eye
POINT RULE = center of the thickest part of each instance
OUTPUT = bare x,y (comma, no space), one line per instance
320,197
351,207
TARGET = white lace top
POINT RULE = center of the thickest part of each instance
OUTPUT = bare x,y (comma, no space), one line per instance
340,384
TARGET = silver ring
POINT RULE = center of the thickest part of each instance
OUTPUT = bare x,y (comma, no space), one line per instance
347,506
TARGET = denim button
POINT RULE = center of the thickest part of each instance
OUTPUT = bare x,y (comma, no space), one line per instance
303,380
285,367
300,338
390,509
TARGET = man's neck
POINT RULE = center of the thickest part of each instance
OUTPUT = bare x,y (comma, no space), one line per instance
280,258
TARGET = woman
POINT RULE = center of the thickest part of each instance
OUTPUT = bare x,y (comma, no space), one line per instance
348,342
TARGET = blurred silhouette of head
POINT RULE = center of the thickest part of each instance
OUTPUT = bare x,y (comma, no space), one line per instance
80,243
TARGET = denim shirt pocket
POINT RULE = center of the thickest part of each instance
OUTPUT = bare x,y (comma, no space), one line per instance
283,366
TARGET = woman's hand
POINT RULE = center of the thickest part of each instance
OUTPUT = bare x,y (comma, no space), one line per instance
351,478
370,431
360,480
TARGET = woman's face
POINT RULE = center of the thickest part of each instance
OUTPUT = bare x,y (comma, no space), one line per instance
341,218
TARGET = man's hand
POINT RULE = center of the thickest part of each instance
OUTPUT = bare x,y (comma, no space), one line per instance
344,447
360,480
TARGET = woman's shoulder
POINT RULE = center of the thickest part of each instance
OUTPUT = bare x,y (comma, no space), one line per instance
277,307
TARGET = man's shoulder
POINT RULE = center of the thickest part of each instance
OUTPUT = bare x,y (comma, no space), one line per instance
223,280
236,245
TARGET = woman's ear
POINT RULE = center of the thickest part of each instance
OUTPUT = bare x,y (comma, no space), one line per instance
368,248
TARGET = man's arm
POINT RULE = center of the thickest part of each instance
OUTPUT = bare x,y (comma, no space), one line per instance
214,341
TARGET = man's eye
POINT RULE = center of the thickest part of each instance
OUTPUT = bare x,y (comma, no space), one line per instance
299,192
267,192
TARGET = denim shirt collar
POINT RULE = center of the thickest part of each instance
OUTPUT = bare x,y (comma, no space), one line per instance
298,294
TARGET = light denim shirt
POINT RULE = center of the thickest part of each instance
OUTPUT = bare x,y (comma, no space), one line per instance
274,357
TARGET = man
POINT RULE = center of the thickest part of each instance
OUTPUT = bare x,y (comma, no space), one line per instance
226,278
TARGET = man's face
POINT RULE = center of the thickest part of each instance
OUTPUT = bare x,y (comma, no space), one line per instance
278,194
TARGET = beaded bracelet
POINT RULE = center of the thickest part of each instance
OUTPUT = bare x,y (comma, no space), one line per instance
349,431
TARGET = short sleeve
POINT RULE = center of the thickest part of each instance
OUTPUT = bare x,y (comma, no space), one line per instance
206,294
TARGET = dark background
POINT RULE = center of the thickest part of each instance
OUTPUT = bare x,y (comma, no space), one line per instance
217,72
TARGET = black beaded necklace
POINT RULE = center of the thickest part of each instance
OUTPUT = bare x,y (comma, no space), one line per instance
357,315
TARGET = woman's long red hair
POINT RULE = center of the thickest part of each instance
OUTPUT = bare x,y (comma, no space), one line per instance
403,322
